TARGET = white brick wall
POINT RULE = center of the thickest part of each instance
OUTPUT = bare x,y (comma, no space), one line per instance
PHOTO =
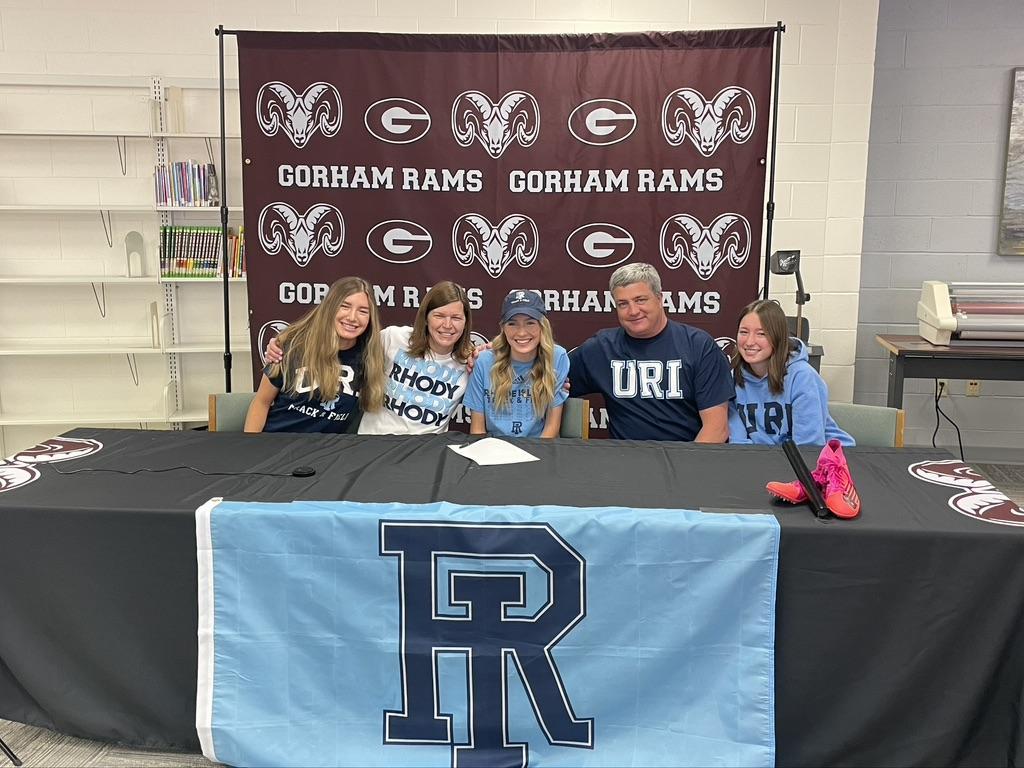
826,89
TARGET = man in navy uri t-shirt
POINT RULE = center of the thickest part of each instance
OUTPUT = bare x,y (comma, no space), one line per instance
661,380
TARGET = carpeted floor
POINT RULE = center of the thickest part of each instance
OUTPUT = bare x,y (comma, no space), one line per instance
38,747
1008,478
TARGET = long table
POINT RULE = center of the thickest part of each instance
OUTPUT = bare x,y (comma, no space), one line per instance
899,635
911,357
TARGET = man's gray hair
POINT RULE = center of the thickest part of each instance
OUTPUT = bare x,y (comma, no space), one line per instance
636,272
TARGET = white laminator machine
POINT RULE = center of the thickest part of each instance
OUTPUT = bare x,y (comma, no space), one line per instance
983,314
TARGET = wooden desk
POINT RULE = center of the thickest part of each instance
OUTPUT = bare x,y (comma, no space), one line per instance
911,357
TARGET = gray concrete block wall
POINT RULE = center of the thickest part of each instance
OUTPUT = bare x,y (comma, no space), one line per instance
939,122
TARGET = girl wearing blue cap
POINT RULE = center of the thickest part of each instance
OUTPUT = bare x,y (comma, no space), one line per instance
517,387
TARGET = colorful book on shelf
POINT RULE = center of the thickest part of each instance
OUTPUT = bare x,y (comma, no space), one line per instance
197,252
186,184
213,191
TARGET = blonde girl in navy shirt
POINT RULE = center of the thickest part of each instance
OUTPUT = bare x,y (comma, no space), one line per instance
333,367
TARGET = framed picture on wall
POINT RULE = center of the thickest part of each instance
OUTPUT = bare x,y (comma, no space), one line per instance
1011,223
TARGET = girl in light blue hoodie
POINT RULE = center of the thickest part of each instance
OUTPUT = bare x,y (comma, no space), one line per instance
778,393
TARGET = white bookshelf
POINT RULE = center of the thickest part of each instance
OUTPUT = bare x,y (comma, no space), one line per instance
196,208
65,347
201,280
176,348
51,133
76,208
77,280
238,346
193,135
73,420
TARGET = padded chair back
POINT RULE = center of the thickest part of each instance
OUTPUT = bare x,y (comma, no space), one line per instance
870,425
227,411
575,418
803,332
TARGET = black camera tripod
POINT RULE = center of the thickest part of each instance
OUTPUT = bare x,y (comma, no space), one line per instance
10,755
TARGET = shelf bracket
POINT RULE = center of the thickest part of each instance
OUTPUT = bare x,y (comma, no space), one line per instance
101,298
133,367
107,228
122,153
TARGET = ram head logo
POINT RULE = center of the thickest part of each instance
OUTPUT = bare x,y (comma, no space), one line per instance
318,108
977,497
20,469
474,238
476,118
687,113
685,239
727,344
321,228
269,330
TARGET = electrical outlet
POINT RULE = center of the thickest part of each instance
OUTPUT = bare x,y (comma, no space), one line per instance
973,388
944,388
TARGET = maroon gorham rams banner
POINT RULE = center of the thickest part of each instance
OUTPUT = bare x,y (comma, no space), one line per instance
504,161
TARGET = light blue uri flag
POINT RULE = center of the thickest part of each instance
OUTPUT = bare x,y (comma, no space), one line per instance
432,635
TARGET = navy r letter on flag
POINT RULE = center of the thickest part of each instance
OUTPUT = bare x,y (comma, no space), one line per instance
486,633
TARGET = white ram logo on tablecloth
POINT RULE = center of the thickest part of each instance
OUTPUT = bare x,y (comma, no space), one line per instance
20,469
978,498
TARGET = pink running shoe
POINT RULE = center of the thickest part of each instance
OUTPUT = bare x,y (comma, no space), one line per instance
833,474
792,492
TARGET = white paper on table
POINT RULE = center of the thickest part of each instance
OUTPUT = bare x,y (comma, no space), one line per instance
491,450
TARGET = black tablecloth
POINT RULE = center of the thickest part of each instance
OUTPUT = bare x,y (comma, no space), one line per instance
900,638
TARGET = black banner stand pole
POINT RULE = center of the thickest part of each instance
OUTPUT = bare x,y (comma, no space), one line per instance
780,28
803,474
219,32
10,754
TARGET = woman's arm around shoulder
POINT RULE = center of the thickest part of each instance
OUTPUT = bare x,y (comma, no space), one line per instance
256,418
394,336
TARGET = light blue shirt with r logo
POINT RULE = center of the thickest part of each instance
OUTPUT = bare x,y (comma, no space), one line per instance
517,419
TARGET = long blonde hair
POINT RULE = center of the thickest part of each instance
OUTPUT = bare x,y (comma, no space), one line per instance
542,374
312,342
444,293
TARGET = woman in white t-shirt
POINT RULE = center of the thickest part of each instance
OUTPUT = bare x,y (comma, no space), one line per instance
425,366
